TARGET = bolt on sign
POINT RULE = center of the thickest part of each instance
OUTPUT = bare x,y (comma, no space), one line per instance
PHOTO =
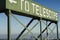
32,8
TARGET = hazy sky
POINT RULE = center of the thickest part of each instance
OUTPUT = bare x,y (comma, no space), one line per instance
16,27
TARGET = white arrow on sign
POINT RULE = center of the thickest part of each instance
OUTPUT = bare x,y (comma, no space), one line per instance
12,1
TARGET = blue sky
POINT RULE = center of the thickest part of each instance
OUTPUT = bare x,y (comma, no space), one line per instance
16,27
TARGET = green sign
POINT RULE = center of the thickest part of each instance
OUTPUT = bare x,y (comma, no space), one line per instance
32,8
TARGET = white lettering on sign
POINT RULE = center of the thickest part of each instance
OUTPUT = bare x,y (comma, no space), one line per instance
44,12
21,4
27,6
12,1
33,6
37,10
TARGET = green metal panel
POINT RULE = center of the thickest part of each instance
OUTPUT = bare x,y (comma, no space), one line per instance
31,8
